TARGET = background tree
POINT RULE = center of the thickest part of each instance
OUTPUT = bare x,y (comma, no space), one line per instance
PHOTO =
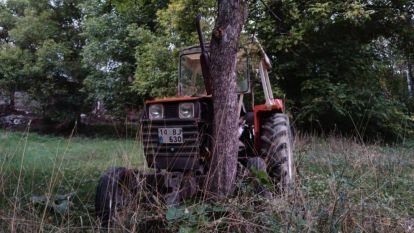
328,62
13,71
342,66
109,51
46,36
11,57
157,55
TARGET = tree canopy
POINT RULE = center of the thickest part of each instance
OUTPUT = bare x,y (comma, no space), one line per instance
342,66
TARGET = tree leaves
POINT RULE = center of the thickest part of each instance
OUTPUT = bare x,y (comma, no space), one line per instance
338,62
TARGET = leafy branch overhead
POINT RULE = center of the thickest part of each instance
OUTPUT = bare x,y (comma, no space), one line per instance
343,65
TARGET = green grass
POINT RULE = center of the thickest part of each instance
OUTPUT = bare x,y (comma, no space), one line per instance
369,187
31,164
342,186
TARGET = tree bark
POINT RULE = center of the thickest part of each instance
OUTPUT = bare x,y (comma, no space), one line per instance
12,104
223,49
409,79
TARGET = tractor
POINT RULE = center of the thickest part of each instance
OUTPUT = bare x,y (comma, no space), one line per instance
176,134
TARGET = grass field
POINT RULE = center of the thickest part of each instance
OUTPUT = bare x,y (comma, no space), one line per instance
342,187
31,164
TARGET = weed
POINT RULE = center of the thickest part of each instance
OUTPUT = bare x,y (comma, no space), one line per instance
341,186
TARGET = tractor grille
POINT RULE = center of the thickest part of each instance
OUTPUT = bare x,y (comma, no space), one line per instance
173,157
171,110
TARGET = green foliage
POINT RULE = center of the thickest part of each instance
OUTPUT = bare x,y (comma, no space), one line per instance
34,27
178,20
47,37
7,22
156,72
109,54
340,65
337,62
192,219
13,68
157,55
262,177
360,111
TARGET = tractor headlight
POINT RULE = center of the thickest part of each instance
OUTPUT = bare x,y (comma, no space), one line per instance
156,111
186,110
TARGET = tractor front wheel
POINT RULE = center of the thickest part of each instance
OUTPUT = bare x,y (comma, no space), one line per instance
111,195
276,148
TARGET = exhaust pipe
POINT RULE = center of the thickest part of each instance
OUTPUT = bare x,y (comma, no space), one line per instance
204,58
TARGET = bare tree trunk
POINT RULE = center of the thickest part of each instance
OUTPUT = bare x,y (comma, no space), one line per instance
223,48
12,104
409,78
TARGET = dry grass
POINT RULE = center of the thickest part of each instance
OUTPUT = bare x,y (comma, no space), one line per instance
342,186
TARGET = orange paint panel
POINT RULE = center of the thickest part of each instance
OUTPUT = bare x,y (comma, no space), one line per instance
177,99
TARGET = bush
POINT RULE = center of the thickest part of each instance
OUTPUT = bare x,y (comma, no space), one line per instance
360,112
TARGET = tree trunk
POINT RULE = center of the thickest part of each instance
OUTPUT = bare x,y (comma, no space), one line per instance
409,79
223,49
12,104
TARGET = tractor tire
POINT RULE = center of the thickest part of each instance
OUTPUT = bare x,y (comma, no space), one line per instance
257,164
109,197
276,148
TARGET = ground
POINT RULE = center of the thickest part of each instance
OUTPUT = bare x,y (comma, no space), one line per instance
31,164
341,186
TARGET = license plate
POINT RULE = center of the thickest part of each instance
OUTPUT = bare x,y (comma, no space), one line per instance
170,135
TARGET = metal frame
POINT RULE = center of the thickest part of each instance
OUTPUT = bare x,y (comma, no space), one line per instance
196,49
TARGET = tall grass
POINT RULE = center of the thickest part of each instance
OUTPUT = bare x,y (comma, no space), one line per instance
342,186
42,166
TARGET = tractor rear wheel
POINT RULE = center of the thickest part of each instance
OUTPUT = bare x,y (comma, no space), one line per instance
276,148
110,195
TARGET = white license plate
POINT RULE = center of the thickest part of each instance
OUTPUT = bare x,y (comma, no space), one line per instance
170,135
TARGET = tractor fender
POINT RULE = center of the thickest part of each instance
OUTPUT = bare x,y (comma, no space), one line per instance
263,110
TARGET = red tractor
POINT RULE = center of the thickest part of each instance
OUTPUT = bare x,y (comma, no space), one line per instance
176,134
